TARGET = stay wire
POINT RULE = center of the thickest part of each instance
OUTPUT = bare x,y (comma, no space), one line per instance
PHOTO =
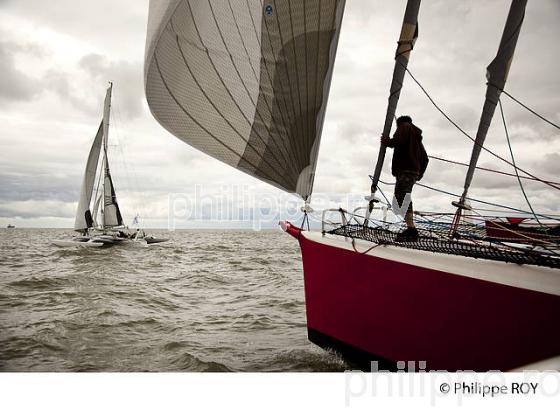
471,138
489,169
513,161
477,200
531,110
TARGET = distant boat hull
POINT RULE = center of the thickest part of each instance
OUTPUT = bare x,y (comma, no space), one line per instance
76,244
97,241
389,305
151,240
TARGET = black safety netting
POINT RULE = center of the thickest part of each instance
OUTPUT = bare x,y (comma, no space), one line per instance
469,240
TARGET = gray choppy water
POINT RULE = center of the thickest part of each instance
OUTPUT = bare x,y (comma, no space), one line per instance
206,301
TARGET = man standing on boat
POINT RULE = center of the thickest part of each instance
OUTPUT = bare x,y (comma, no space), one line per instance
409,164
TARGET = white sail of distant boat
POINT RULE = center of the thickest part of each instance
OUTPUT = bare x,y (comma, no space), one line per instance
84,219
102,224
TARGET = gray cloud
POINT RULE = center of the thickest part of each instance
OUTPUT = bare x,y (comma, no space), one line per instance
36,208
17,187
127,76
114,26
550,164
59,82
15,85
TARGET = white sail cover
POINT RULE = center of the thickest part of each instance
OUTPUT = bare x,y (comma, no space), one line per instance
84,219
245,81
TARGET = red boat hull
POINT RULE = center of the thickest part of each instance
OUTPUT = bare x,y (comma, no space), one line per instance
371,308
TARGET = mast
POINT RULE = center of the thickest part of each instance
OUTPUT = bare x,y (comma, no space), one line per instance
409,33
496,74
106,172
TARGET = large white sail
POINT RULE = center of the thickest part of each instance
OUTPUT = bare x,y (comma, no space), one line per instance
245,81
84,219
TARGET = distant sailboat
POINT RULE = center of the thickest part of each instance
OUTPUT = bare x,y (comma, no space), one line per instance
103,226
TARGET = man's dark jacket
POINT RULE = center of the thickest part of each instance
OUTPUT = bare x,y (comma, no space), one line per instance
410,154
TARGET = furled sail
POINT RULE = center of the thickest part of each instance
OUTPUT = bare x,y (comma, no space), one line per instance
496,75
409,33
84,219
245,81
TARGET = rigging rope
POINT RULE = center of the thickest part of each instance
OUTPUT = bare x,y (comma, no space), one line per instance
471,138
521,234
513,161
385,197
489,169
530,110
476,200
131,176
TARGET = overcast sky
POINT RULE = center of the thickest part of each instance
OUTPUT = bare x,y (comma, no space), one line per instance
57,56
